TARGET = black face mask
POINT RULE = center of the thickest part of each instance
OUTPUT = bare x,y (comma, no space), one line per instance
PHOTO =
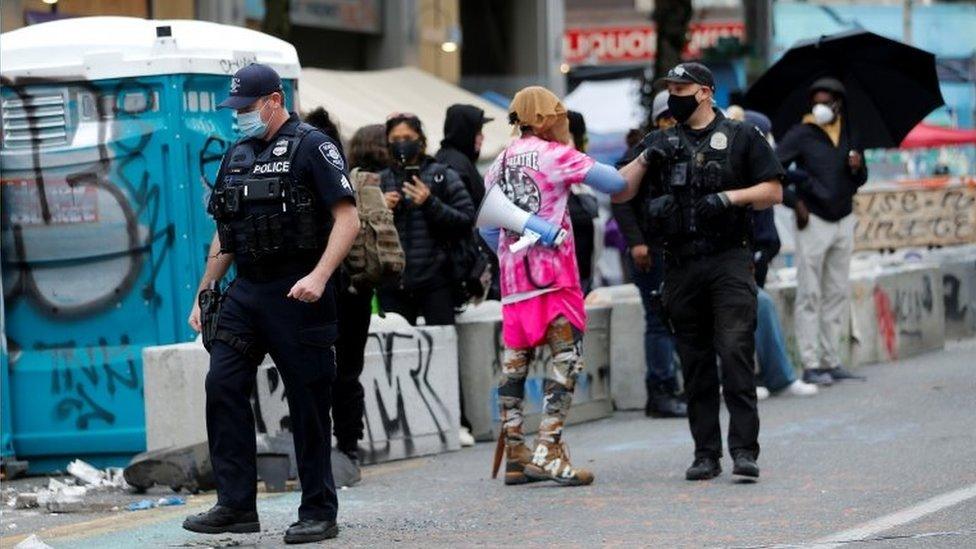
682,107
405,151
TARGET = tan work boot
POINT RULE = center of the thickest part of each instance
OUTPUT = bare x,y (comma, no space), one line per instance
550,461
516,458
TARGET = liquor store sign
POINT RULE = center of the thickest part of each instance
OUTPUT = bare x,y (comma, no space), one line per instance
638,43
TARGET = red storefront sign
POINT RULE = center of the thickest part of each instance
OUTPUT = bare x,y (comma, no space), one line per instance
599,45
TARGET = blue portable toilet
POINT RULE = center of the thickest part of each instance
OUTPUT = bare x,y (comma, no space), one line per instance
110,145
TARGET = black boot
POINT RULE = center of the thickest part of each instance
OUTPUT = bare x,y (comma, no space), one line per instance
744,467
220,520
310,531
662,403
704,468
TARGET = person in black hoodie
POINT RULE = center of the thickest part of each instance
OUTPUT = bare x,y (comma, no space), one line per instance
461,147
833,169
430,207
460,150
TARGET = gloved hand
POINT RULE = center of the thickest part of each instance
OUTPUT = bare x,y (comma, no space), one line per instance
712,205
661,207
654,157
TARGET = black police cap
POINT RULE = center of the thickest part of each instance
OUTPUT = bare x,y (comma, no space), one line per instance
249,84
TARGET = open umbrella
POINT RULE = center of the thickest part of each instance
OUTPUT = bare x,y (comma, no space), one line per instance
891,86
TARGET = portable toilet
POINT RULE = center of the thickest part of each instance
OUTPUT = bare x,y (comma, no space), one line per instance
110,144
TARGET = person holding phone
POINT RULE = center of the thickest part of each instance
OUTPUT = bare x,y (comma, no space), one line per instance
430,206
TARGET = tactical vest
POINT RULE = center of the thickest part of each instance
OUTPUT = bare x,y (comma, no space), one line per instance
691,172
265,216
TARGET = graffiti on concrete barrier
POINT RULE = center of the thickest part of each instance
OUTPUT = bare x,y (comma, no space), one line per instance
913,306
401,399
915,217
886,322
955,308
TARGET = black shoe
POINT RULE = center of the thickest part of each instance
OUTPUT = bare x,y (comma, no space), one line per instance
705,468
745,467
220,520
839,373
310,531
817,377
662,403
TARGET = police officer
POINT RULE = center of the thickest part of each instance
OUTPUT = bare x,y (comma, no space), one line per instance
704,176
285,218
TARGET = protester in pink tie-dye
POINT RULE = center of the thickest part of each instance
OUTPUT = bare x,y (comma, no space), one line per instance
542,301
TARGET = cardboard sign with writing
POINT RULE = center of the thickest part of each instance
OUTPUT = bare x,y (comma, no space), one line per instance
915,217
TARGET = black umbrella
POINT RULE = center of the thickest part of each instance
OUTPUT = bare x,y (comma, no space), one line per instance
891,86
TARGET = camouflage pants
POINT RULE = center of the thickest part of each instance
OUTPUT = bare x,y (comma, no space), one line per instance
564,342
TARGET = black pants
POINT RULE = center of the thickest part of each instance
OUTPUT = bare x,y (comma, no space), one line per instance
711,302
299,338
348,404
436,305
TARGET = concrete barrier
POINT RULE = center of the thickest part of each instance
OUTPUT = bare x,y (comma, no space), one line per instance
895,312
410,380
480,359
627,358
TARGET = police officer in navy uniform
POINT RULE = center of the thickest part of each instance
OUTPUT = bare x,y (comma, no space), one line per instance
704,177
286,218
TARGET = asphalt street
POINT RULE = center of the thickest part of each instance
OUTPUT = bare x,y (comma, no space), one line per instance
889,463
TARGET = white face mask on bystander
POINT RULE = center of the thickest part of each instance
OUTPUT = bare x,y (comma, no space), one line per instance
823,114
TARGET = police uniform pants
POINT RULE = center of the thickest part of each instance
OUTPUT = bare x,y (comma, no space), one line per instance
299,340
711,303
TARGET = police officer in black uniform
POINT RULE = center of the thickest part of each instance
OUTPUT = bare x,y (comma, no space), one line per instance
704,177
286,218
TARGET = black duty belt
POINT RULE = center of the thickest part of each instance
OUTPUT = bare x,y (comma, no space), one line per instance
268,270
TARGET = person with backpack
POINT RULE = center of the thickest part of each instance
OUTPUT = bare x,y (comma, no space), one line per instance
431,208
542,302
362,270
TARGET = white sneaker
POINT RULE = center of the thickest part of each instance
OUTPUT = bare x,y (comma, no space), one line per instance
464,435
799,388
762,393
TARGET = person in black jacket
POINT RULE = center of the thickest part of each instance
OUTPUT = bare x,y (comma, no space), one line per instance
583,208
833,169
647,272
461,147
430,207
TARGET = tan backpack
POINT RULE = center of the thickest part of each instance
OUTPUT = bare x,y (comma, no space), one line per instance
376,258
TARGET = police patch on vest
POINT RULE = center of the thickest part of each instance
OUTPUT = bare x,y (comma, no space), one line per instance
719,141
332,155
282,166
280,148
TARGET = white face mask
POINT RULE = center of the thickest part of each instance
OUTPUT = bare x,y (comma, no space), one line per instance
822,113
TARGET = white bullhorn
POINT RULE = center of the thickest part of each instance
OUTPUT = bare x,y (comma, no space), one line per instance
498,211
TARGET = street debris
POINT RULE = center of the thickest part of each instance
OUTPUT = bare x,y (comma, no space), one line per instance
112,477
145,504
177,467
67,494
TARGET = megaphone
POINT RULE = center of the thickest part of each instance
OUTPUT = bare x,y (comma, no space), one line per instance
498,211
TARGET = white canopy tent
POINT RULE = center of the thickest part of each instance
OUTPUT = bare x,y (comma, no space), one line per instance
608,106
355,99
